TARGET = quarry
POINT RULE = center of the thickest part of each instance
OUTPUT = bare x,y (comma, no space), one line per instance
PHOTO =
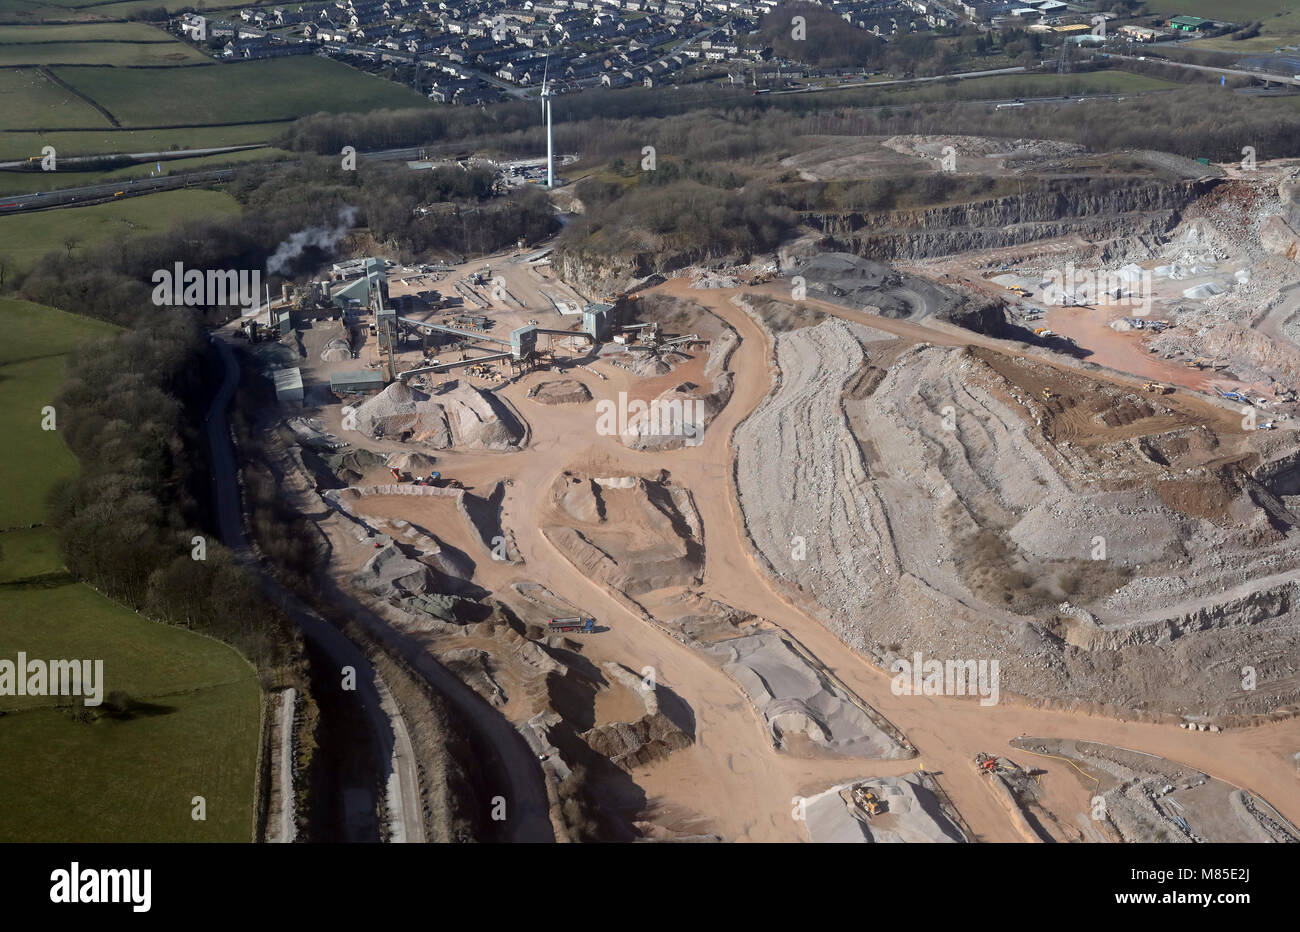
922,434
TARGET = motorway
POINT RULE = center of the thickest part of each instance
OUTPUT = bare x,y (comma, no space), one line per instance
1257,75
107,191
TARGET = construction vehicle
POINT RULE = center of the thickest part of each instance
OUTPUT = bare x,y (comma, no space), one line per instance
1157,387
580,625
869,802
1267,425
1023,292
1042,332
1048,394
987,763
435,479
1233,396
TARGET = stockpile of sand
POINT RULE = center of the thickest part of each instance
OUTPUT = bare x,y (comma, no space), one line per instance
417,464
635,539
796,697
336,351
912,813
559,392
461,417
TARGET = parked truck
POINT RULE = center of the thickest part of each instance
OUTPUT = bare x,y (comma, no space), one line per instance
580,625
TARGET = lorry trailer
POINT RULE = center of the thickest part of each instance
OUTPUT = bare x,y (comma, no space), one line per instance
581,625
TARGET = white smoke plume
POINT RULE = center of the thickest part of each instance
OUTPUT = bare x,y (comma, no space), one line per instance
325,238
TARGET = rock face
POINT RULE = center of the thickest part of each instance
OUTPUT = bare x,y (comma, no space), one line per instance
461,417
389,572
987,527
1134,210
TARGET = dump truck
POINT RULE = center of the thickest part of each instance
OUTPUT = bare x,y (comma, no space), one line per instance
580,625
1157,387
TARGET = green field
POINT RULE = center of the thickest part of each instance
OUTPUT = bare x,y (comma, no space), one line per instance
30,100
101,53
21,145
1280,21
275,89
195,728
31,369
24,238
94,44
18,183
83,32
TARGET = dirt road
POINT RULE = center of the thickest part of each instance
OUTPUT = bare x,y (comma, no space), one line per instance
391,744
732,778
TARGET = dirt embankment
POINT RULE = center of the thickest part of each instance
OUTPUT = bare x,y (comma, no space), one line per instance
1088,539
643,539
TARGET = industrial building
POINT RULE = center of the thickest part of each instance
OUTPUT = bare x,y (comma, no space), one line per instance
1191,24
356,383
288,385
360,294
598,321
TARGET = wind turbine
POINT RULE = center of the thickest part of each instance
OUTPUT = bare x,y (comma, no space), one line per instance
546,114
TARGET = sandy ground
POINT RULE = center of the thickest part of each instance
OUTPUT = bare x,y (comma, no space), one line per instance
732,776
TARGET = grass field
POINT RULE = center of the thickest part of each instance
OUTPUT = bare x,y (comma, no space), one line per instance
20,145
275,89
16,183
24,238
1280,21
195,731
31,368
100,53
29,100
94,44
117,32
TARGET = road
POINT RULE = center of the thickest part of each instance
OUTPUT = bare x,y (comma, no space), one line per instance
960,75
512,765
107,191
391,745
731,778
1257,75
163,156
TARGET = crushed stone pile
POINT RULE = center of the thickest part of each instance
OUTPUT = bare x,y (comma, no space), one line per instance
462,417
560,392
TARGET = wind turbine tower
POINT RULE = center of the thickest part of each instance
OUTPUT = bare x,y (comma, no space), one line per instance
546,113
